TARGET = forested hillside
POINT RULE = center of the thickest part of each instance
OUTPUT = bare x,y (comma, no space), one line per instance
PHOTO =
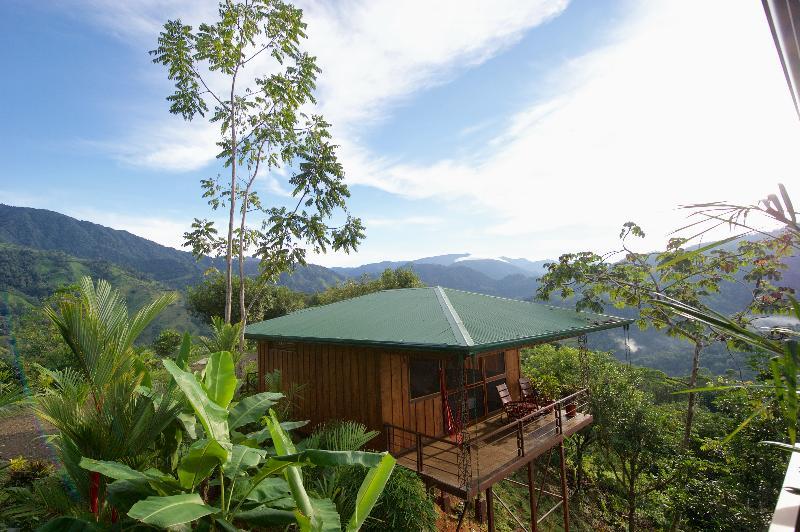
27,276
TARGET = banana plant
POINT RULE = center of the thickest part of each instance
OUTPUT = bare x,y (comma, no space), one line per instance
227,478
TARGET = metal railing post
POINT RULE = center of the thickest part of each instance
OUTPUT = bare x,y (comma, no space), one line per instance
520,439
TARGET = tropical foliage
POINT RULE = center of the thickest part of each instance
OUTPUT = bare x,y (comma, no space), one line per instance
97,404
251,484
629,468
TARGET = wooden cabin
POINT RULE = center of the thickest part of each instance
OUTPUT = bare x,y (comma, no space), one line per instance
420,365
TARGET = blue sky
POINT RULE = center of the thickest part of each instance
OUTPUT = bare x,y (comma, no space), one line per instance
496,128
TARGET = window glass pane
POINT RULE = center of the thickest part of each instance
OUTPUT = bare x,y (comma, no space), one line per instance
471,370
424,374
495,364
493,402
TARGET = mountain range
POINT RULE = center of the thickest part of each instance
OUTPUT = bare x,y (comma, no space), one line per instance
45,230
41,250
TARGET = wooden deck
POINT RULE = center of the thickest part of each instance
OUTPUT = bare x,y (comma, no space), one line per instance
497,447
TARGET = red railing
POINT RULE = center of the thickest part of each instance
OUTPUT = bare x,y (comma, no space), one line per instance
438,457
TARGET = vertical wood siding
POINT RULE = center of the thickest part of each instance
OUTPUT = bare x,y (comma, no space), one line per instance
359,383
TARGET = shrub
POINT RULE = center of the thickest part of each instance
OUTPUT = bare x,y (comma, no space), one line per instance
23,472
167,343
340,436
404,504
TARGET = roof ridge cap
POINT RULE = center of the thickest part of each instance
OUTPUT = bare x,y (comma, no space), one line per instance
456,325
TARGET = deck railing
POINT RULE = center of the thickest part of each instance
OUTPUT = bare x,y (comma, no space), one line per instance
437,457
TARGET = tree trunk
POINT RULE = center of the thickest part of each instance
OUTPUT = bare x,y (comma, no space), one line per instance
242,307
229,256
631,505
687,433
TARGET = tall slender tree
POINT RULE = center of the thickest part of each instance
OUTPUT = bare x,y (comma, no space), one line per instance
248,67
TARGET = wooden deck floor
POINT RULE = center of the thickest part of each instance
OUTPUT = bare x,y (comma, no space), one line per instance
494,456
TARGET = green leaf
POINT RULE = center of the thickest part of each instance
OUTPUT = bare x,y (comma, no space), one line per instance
251,408
269,489
325,518
212,416
170,511
219,380
139,366
200,461
370,491
70,524
113,470
123,494
241,459
225,525
189,423
164,484
267,517
182,360
319,457
263,435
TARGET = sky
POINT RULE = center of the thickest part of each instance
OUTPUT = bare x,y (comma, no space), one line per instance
504,128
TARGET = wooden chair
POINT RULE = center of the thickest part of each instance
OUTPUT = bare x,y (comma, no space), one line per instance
513,409
527,391
531,395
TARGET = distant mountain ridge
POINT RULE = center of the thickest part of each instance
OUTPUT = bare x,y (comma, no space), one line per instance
496,269
52,231
40,249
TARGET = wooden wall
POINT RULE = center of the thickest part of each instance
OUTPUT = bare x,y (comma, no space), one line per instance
339,382
360,383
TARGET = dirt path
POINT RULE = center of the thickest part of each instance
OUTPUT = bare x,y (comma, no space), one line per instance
22,434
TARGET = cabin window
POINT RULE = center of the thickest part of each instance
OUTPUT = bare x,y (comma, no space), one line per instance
495,365
472,373
424,373
483,375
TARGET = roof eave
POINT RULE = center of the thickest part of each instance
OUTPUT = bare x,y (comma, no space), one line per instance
532,340
368,343
444,348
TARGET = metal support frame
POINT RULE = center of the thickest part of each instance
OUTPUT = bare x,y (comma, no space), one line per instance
564,492
531,498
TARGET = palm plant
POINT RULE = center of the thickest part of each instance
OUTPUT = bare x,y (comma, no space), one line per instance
98,404
224,337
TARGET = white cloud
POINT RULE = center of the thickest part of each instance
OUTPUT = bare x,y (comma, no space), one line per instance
163,230
169,145
373,54
402,221
632,345
680,107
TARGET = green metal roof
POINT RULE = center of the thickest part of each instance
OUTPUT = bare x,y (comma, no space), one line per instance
432,318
